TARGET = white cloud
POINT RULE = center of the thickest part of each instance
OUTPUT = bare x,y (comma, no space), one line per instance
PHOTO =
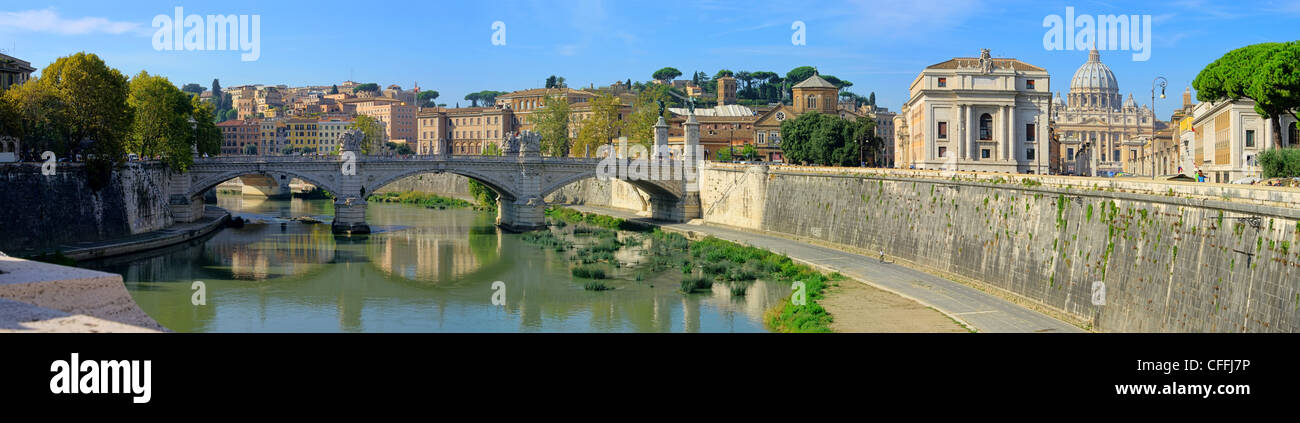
48,20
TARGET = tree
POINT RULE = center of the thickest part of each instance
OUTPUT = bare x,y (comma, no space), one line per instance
98,118
600,127
373,134
192,88
36,115
872,99
218,97
207,137
722,73
723,155
230,114
666,74
473,98
749,152
369,86
797,75
488,97
426,98
645,113
334,89
250,149
816,138
1268,73
552,123
161,126
748,79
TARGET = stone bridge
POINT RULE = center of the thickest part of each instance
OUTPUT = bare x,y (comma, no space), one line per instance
522,179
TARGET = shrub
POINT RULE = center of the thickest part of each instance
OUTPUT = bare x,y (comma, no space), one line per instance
692,284
596,286
592,272
1280,163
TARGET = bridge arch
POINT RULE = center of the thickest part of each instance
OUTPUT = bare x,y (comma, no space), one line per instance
210,181
655,189
491,181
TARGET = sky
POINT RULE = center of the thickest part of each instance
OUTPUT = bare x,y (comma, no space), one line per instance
448,46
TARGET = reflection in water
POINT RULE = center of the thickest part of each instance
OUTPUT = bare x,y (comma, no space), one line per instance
422,270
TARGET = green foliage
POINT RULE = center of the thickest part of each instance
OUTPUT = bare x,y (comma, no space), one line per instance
207,136
723,155
822,139
427,98
546,238
373,133
596,286
1280,163
420,199
161,126
484,196
693,284
589,271
600,126
369,86
552,123
639,126
666,74
1268,73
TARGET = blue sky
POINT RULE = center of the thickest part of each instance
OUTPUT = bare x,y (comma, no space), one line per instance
447,45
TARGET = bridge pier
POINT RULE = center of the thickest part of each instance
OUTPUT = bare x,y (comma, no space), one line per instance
521,215
350,217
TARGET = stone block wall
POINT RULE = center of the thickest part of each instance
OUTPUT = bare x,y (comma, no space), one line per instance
41,212
1169,263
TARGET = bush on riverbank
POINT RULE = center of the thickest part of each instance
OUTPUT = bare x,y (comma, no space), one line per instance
547,239
315,194
432,201
587,271
694,283
602,221
596,286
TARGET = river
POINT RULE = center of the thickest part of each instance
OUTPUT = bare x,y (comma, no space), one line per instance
422,270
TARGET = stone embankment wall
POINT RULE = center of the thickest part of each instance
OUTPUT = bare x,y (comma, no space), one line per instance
1173,257
39,212
444,184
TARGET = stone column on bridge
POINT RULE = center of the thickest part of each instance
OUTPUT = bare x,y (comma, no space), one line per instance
350,200
527,211
694,160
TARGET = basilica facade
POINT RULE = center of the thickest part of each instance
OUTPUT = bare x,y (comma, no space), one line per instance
1096,124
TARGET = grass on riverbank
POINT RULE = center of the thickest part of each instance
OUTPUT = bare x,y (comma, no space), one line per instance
702,263
569,215
735,263
427,200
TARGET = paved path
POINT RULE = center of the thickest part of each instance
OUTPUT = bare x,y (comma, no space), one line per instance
212,219
984,311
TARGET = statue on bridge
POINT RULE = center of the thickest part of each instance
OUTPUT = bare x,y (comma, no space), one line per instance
350,140
523,143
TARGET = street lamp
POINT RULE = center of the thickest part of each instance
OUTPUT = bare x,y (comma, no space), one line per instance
1162,82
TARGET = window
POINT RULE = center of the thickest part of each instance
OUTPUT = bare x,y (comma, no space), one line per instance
986,127
1132,154
1115,153
1029,84
1293,133
943,130
1029,154
812,102
1250,138
1029,132
943,151
1069,154
761,136
943,82
985,153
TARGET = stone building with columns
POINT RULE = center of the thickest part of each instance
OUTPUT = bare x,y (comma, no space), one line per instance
976,114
